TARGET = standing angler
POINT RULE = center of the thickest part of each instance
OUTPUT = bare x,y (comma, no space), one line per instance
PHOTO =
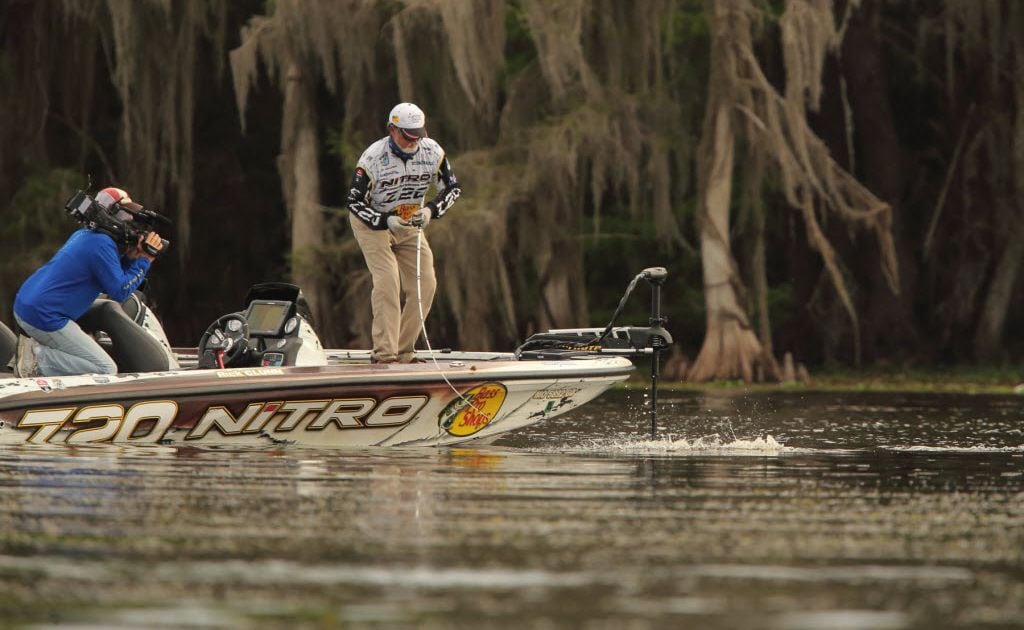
386,212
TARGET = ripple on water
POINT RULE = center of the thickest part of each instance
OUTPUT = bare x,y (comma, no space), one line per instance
895,511
671,445
844,620
954,449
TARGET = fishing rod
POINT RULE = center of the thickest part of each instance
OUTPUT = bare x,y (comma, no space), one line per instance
423,323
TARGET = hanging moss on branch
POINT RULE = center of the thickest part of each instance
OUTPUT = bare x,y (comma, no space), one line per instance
743,101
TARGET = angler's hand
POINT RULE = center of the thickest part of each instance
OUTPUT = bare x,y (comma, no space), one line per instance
420,218
397,226
150,245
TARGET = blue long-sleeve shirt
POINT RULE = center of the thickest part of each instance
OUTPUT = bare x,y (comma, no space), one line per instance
65,287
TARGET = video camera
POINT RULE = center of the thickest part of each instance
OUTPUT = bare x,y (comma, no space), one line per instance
90,213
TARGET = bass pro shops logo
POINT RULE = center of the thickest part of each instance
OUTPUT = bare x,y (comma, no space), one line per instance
473,410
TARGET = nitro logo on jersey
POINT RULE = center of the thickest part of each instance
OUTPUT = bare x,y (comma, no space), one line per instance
403,179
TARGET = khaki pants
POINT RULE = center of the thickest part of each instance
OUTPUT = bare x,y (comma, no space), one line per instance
392,263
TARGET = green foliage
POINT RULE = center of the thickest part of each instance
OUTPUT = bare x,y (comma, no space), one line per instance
771,10
687,23
781,300
613,257
346,146
35,214
390,7
33,225
519,48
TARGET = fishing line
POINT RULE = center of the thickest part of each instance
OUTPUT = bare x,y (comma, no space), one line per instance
423,321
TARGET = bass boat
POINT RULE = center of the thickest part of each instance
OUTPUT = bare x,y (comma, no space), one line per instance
261,377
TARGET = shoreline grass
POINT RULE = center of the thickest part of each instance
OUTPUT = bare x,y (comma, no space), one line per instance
963,380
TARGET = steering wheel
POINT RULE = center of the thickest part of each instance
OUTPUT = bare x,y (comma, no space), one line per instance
228,339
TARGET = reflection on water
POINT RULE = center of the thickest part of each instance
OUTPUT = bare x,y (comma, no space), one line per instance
766,510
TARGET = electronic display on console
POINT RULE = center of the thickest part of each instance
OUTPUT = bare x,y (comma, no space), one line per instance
266,318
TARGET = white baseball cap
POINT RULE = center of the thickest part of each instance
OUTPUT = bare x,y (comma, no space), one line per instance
409,118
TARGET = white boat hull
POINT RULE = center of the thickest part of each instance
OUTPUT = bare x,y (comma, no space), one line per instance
464,397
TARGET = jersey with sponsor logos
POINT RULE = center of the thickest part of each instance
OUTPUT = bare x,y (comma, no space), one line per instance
388,182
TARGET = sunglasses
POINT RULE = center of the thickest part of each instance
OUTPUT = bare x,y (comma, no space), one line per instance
408,136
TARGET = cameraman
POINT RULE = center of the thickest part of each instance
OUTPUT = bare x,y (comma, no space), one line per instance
48,303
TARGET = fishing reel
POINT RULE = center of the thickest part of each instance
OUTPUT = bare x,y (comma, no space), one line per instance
86,210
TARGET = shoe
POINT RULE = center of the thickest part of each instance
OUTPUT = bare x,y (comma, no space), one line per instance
375,360
25,362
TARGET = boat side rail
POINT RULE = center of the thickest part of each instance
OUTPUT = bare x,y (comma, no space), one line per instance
629,341
634,341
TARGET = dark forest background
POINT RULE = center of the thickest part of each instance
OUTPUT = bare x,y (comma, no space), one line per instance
574,127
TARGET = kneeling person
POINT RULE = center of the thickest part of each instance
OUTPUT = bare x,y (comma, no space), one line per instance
91,262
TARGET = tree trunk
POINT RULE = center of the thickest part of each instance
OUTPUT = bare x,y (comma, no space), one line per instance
887,322
988,337
299,168
731,349
563,297
758,259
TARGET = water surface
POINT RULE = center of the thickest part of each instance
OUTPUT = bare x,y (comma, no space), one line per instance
768,510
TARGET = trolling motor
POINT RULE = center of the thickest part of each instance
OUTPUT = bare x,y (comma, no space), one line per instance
86,210
628,341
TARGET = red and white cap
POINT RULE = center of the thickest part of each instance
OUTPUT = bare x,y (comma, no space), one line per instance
111,195
409,118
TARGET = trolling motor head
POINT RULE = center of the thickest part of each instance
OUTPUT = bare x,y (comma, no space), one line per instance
655,275
114,213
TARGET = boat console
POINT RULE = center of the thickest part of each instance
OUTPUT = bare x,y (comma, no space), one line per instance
274,330
270,318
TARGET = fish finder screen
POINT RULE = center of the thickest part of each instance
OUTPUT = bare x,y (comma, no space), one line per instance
265,318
